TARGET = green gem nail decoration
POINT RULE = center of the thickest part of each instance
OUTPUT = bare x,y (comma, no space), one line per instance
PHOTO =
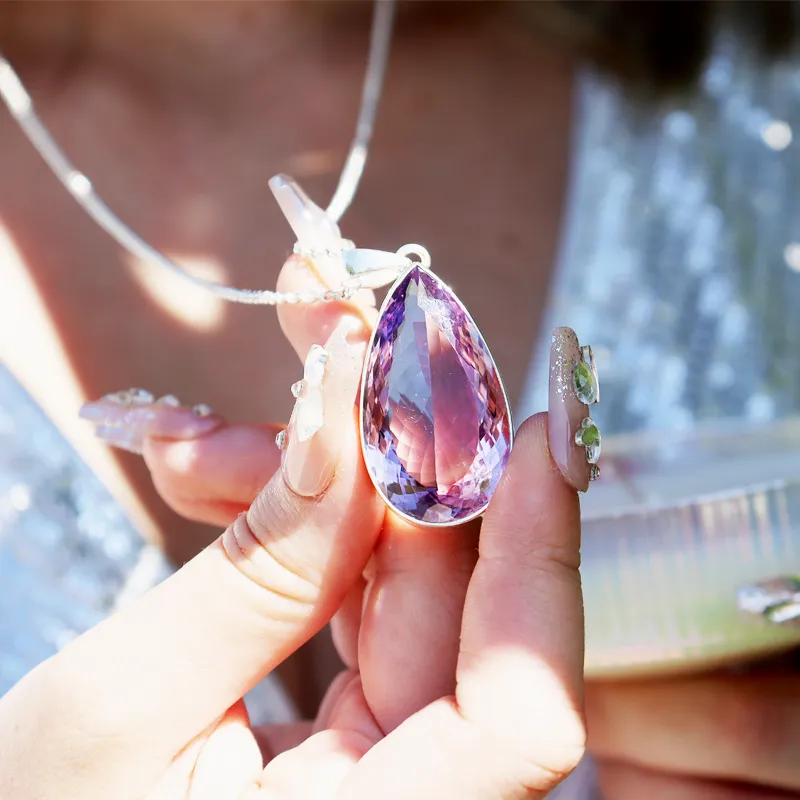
588,436
584,378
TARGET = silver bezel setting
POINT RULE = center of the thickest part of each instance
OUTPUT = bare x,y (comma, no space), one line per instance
361,397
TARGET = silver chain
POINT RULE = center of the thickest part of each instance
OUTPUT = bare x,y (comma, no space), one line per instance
20,105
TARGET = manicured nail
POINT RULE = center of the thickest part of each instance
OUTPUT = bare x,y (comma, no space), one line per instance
325,402
126,419
574,438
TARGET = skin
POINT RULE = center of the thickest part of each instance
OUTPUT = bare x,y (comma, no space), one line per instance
184,135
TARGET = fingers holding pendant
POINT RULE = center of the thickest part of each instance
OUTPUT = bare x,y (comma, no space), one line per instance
574,436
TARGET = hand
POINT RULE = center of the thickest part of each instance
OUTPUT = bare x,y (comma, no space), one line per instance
711,737
464,665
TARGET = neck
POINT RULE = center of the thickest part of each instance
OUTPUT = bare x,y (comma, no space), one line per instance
176,43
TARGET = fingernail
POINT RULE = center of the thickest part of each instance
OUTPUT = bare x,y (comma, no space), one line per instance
324,407
570,436
126,419
121,438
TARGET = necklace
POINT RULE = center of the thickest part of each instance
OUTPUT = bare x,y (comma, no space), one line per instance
20,104
435,424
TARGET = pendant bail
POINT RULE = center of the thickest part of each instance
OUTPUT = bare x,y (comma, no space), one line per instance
374,268
378,268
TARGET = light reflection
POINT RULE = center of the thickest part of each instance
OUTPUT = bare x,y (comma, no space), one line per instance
189,304
777,135
791,255
313,163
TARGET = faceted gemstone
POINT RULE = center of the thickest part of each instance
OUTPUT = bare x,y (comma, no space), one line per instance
584,378
588,435
436,431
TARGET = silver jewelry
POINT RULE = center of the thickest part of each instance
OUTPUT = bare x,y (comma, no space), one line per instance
20,104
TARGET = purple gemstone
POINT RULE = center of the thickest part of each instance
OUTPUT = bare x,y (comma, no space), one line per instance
436,430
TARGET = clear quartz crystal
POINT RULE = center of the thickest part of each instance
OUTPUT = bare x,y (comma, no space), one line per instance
318,236
314,229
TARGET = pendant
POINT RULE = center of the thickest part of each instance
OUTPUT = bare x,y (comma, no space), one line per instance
435,424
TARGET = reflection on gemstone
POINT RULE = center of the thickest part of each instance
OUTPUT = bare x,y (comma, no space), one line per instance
435,423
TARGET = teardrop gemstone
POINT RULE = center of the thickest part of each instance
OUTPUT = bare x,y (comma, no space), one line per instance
435,426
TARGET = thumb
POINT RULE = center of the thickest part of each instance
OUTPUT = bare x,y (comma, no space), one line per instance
157,673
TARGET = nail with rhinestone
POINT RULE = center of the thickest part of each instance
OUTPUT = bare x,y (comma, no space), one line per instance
573,381
280,439
130,397
310,449
125,419
307,417
584,378
588,436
